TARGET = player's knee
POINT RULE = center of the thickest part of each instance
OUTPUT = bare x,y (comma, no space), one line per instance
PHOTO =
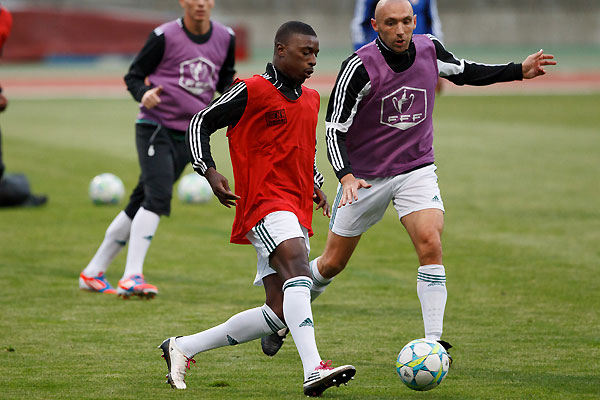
277,307
429,245
290,259
158,205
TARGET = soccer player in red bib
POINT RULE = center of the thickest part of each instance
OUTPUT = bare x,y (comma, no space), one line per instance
272,121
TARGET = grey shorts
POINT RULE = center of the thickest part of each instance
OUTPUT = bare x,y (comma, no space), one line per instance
414,191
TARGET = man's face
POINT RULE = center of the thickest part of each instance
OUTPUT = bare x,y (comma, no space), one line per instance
298,57
395,23
197,10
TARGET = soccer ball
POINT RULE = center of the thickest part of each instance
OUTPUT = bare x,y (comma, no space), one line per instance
194,188
106,189
422,364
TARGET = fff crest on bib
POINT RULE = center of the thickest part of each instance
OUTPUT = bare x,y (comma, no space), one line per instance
197,75
404,108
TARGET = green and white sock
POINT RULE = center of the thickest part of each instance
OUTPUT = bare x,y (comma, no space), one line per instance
241,328
431,289
143,228
319,281
115,238
299,319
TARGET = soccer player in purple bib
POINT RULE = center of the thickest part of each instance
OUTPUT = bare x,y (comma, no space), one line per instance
175,74
380,143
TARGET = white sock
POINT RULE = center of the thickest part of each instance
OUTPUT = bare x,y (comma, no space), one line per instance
115,238
431,288
319,281
299,318
243,327
143,228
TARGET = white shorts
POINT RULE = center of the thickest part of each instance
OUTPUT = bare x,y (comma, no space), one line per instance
268,234
410,192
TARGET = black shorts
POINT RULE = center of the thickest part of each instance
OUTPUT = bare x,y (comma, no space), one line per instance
163,156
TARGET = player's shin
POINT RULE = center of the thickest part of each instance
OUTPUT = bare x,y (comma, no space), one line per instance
299,319
115,239
319,281
431,289
143,228
240,328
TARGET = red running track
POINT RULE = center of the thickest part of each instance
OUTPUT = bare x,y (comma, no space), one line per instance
113,86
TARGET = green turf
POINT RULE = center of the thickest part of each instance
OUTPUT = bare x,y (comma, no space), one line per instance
519,178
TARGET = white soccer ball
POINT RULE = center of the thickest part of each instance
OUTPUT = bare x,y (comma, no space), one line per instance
422,364
106,189
194,188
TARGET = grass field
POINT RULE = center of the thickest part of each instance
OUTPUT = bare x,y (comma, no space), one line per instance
519,177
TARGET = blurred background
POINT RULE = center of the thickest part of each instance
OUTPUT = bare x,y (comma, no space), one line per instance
70,39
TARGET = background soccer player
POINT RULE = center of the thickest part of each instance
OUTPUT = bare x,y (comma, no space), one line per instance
380,137
175,74
272,122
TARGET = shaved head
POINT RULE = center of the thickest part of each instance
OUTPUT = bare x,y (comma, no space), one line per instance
382,6
395,22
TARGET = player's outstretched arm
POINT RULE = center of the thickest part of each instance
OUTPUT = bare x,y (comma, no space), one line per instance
320,199
350,186
533,66
220,187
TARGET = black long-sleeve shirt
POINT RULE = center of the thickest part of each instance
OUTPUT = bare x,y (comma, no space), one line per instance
353,83
227,110
152,53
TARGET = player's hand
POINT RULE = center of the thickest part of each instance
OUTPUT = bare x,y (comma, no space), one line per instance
151,98
320,199
533,65
350,186
220,187
3,102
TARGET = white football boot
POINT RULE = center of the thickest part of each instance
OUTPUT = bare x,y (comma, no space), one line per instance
177,363
324,377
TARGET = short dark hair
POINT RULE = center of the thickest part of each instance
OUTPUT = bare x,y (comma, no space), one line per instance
291,27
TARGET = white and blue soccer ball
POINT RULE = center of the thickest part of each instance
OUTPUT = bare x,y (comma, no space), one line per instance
195,189
106,188
422,364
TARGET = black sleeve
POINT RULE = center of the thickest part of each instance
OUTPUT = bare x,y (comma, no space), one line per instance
228,69
226,110
464,72
144,63
351,85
